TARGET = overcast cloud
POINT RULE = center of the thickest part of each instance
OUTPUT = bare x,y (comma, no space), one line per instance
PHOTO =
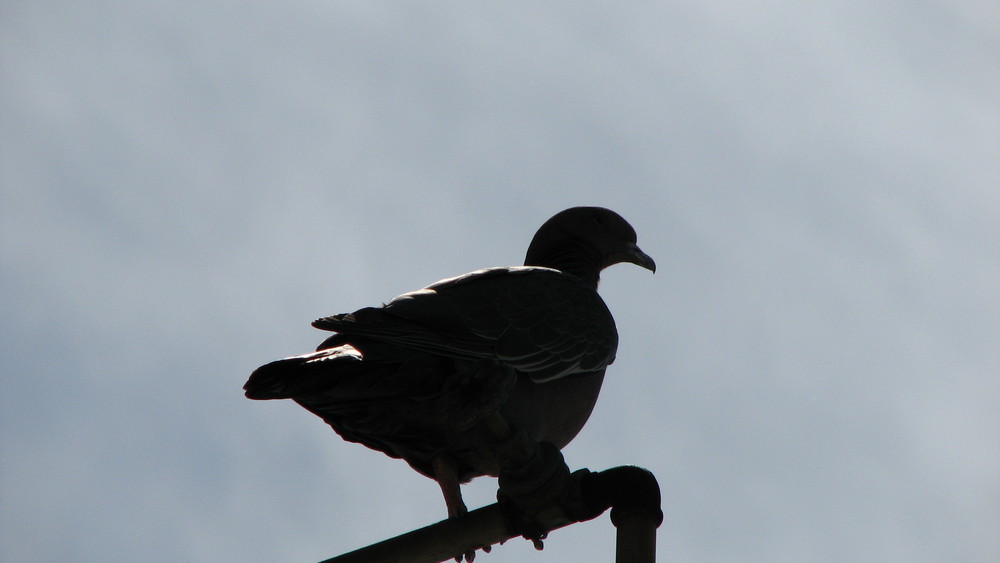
813,374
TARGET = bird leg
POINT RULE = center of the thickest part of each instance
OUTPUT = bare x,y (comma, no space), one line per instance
446,475
513,447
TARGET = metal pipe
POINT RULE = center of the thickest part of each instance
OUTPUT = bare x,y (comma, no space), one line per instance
631,492
636,538
445,540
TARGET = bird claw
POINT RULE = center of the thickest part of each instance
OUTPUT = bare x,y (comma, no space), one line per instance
524,524
470,555
536,481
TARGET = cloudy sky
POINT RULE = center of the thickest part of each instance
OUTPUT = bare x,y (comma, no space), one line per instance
813,373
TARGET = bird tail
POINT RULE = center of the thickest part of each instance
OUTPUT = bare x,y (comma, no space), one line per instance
292,377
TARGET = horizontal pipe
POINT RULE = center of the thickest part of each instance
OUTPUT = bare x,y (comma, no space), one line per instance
631,492
447,539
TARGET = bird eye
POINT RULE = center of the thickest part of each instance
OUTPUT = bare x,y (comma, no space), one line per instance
600,220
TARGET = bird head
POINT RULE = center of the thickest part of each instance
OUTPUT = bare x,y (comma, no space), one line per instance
585,240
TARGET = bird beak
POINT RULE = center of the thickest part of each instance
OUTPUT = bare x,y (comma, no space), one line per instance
639,258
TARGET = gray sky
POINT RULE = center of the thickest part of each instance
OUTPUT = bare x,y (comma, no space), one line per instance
812,374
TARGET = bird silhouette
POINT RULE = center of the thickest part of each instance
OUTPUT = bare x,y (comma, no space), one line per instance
430,375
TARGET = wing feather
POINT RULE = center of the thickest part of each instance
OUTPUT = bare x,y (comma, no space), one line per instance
539,321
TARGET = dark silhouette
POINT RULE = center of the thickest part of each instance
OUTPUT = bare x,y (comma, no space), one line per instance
439,376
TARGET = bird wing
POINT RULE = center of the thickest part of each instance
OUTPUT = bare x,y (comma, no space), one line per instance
539,321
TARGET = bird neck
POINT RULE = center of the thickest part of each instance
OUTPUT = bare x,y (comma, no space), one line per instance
571,259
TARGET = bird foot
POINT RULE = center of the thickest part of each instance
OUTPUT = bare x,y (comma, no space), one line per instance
470,555
522,523
530,487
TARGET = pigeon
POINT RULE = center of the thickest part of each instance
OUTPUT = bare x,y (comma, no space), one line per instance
429,376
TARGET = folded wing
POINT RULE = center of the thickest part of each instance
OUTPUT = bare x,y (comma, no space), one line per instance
540,322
